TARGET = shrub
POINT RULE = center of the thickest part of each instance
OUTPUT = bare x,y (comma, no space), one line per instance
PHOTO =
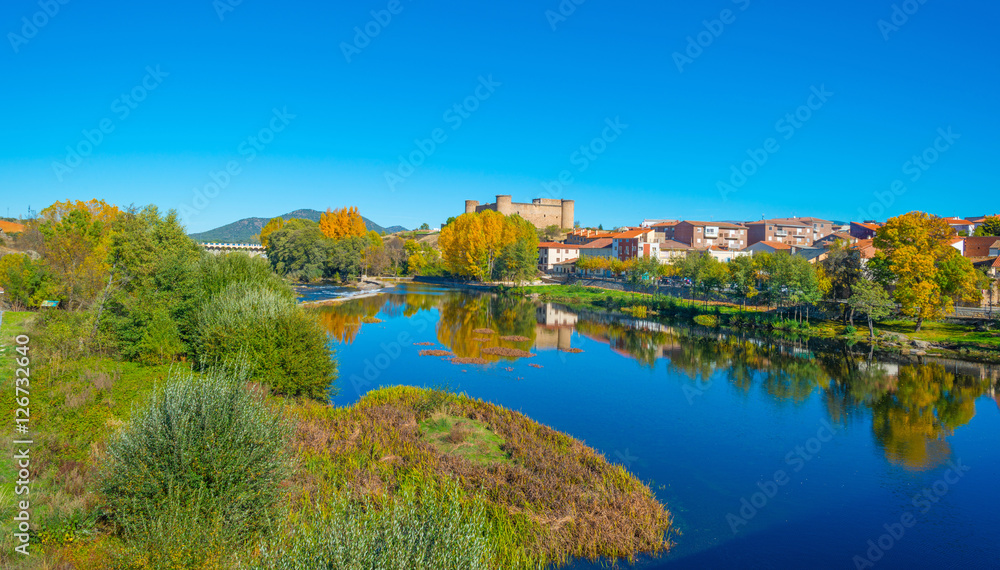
279,344
710,321
425,528
850,330
217,272
199,464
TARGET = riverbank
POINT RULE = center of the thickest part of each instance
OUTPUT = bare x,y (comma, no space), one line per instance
963,342
543,496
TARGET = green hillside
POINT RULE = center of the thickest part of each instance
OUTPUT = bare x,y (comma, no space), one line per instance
245,230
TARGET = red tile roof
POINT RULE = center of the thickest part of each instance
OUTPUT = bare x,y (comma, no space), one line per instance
671,244
979,246
552,244
866,247
597,244
726,225
783,222
872,227
631,234
776,244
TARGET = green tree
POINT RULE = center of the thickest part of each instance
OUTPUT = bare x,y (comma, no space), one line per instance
273,225
25,281
872,300
743,277
843,268
990,227
425,226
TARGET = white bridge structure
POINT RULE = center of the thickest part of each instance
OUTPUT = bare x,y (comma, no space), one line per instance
251,249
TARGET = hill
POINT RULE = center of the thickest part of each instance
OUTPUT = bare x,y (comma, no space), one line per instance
243,231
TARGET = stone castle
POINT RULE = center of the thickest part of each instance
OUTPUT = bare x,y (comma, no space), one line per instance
542,212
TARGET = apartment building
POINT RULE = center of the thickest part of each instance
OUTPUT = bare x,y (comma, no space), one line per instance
791,231
584,236
704,235
552,254
635,243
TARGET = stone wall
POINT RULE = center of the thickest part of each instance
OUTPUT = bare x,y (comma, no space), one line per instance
542,212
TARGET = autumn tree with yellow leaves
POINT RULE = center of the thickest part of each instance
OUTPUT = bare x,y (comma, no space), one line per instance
342,223
77,238
926,275
489,245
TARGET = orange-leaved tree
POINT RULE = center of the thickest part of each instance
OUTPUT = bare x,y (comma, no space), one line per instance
342,223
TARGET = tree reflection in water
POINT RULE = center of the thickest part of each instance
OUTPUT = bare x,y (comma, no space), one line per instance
914,407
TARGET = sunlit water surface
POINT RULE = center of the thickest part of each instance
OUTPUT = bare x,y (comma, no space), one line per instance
769,454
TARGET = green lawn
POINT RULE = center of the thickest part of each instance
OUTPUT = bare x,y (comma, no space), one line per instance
463,437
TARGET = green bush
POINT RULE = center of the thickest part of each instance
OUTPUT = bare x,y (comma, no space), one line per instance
279,344
426,528
199,464
850,330
217,272
710,321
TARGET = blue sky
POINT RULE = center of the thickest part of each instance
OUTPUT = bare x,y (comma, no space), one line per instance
533,85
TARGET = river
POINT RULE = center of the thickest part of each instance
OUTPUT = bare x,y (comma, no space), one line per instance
769,454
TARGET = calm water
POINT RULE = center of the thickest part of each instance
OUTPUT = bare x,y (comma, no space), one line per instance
768,455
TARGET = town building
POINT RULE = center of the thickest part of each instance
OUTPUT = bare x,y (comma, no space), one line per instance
584,236
828,240
703,235
768,247
961,226
724,255
552,254
635,243
864,230
542,212
652,223
792,231
664,231
671,250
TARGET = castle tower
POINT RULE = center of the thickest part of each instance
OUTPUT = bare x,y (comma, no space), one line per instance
470,206
567,214
504,205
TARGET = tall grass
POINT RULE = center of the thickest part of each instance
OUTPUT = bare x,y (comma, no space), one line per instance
280,345
425,528
197,470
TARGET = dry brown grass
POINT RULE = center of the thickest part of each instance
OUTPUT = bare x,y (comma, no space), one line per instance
515,338
564,499
533,365
572,350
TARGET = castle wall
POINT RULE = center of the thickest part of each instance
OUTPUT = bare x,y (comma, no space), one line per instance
542,212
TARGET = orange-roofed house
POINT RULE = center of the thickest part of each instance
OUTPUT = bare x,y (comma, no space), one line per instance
552,255
960,225
867,249
635,243
864,230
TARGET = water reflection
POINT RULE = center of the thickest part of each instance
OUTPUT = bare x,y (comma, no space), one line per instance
913,407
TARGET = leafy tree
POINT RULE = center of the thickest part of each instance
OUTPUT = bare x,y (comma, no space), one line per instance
473,244
990,227
26,282
843,268
147,310
743,277
448,221
706,273
425,226
269,228
77,236
298,250
926,275
872,300
551,232
342,223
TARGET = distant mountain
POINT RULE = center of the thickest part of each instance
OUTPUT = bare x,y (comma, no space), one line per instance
243,231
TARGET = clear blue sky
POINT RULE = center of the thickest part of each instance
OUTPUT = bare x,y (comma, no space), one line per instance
222,78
